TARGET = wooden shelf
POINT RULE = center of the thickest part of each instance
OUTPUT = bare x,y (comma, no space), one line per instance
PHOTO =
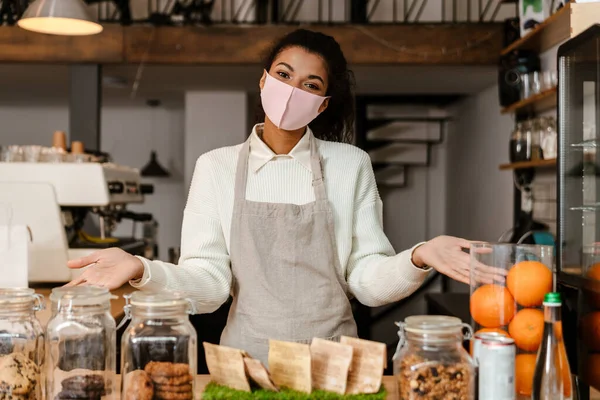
548,33
538,103
529,164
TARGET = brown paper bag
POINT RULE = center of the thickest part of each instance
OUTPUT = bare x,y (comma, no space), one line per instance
259,374
368,362
226,366
289,364
330,364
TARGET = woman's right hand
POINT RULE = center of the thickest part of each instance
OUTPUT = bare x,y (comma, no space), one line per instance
109,268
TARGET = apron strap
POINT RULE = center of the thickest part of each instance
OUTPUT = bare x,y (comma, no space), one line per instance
241,175
316,164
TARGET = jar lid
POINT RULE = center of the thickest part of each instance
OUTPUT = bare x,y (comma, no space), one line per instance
432,324
158,299
19,296
80,295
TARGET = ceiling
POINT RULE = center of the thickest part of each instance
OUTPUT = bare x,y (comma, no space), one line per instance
28,83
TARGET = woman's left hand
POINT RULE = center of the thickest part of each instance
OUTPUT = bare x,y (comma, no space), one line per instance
445,254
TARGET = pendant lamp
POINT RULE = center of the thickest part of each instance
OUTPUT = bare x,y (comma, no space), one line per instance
153,167
59,17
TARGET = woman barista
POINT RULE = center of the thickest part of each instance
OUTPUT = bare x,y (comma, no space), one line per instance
290,222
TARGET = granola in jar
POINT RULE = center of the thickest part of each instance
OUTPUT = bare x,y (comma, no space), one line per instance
430,362
424,379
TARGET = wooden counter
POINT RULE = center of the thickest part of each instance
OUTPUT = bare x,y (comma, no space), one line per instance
116,305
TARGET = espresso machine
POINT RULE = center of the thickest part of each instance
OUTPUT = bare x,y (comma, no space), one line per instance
72,210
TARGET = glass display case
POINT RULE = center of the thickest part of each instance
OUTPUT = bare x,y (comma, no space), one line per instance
578,255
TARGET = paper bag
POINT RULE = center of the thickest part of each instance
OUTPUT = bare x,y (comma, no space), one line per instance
289,364
368,362
259,374
330,364
226,366
14,256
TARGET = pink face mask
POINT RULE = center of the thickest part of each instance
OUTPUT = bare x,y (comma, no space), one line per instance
288,107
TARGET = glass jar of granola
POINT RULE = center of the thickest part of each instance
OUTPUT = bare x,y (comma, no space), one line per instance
430,362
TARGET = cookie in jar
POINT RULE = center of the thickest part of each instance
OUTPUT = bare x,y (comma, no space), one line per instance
81,345
159,348
21,344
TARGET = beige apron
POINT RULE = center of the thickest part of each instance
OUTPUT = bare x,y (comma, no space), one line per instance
287,277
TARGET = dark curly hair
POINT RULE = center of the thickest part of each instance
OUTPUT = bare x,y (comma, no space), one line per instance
336,123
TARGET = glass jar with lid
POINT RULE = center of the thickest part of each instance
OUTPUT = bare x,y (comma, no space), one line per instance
158,348
80,345
21,344
520,144
430,362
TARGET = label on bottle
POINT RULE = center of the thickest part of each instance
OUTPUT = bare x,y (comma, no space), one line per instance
496,360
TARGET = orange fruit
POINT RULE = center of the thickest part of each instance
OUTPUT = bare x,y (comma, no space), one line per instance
590,330
527,329
592,296
528,282
492,306
484,330
524,370
594,272
591,370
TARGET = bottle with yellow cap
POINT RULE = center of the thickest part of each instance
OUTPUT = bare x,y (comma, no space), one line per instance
552,377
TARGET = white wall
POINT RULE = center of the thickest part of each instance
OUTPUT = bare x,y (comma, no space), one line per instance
480,196
212,120
129,133
417,212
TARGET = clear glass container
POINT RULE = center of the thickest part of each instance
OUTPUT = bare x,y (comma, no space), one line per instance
21,344
549,138
520,144
158,348
507,287
430,362
535,127
81,345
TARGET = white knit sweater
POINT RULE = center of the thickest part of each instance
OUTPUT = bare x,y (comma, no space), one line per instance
375,275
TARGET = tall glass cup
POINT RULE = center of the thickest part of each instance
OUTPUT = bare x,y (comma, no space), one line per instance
508,284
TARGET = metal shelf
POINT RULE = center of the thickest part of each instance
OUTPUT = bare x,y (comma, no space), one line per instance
586,144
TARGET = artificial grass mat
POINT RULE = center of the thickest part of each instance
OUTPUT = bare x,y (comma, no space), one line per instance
218,392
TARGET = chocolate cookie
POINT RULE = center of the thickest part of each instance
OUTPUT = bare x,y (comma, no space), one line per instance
90,383
18,374
173,395
186,387
69,394
159,368
6,343
138,386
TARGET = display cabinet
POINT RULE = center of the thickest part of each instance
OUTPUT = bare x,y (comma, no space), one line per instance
578,252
